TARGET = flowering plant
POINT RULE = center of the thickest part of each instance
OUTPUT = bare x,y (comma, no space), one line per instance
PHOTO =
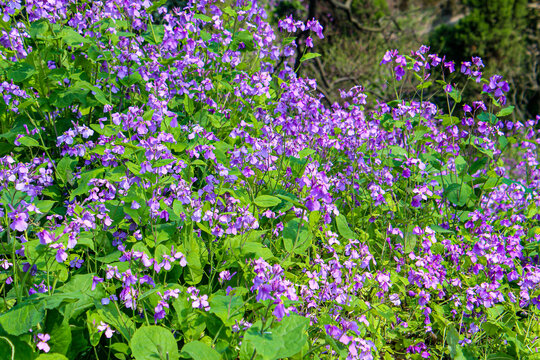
168,180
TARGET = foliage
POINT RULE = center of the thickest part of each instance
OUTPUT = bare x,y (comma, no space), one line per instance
171,188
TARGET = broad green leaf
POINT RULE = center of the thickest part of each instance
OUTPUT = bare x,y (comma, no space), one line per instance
45,205
203,17
200,351
424,85
502,356
288,40
296,237
410,242
39,28
503,141
154,342
194,254
506,111
189,105
487,117
155,6
28,141
455,95
21,318
309,56
117,320
98,93
64,169
72,38
477,165
284,340
256,250
304,153
228,308
20,72
343,227
449,120
12,348
452,338
55,356
398,151
266,201
458,194
59,330
93,320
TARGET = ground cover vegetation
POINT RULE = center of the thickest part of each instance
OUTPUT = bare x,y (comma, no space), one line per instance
171,188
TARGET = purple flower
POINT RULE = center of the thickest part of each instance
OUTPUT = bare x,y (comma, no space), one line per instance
316,27
46,237
280,311
42,344
107,329
423,298
225,276
200,302
96,280
19,221
264,292
384,281
159,311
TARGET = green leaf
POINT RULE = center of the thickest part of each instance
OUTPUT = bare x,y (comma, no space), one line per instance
22,317
45,205
487,117
39,28
118,320
72,38
477,165
154,342
189,105
28,142
285,340
456,95
296,238
59,330
266,201
458,194
200,351
227,308
304,153
14,348
203,17
506,111
155,6
449,120
288,40
309,56
51,357
500,356
64,169
98,93
410,242
343,227
134,168
424,85
20,72
398,151
452,338
503,141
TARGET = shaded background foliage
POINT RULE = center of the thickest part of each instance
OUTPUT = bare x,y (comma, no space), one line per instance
505,33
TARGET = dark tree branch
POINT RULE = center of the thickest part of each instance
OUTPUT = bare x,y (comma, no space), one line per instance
347,8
